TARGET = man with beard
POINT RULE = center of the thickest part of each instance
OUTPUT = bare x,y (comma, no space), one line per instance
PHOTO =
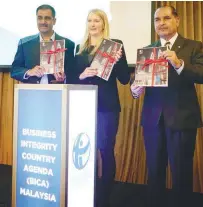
26,65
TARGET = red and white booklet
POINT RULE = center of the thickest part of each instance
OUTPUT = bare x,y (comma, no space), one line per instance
104,58
151,70
52,55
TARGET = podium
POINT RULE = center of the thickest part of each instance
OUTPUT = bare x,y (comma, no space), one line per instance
54,141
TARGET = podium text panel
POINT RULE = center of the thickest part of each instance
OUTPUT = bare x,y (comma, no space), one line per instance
38,148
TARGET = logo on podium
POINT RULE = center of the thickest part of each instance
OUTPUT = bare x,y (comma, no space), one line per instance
81,151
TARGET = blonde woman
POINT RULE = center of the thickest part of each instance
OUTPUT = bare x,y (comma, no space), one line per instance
108,99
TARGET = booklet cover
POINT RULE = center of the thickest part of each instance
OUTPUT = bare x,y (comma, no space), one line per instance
151,70
52,56
104,58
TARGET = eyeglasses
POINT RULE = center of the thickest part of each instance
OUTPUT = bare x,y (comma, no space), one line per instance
46,18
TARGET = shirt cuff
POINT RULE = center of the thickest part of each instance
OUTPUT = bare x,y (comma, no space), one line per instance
26,76
179,70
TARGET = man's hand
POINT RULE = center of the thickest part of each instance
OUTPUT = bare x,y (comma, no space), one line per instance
59,76
136,90
36,71
172,58
88,72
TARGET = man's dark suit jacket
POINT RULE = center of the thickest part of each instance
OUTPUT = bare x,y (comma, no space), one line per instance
108,99
178,102
28,56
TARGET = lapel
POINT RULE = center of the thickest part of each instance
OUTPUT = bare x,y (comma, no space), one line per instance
84,58
90,58
157,44
35,50
178,44
58,37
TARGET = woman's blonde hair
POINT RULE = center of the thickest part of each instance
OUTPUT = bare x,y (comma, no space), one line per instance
105,34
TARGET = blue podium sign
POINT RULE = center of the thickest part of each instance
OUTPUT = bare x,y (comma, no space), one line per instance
38,150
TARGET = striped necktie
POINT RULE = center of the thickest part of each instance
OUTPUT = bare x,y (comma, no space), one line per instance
167,45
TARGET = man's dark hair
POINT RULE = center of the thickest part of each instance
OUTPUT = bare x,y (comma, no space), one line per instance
46,6
173,10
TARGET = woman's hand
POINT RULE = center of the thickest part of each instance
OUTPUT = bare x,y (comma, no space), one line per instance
88,72
118,55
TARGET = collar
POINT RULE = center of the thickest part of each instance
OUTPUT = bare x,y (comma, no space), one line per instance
51,39
172,40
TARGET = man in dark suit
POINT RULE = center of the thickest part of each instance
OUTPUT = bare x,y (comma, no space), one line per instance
26,65
171,115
